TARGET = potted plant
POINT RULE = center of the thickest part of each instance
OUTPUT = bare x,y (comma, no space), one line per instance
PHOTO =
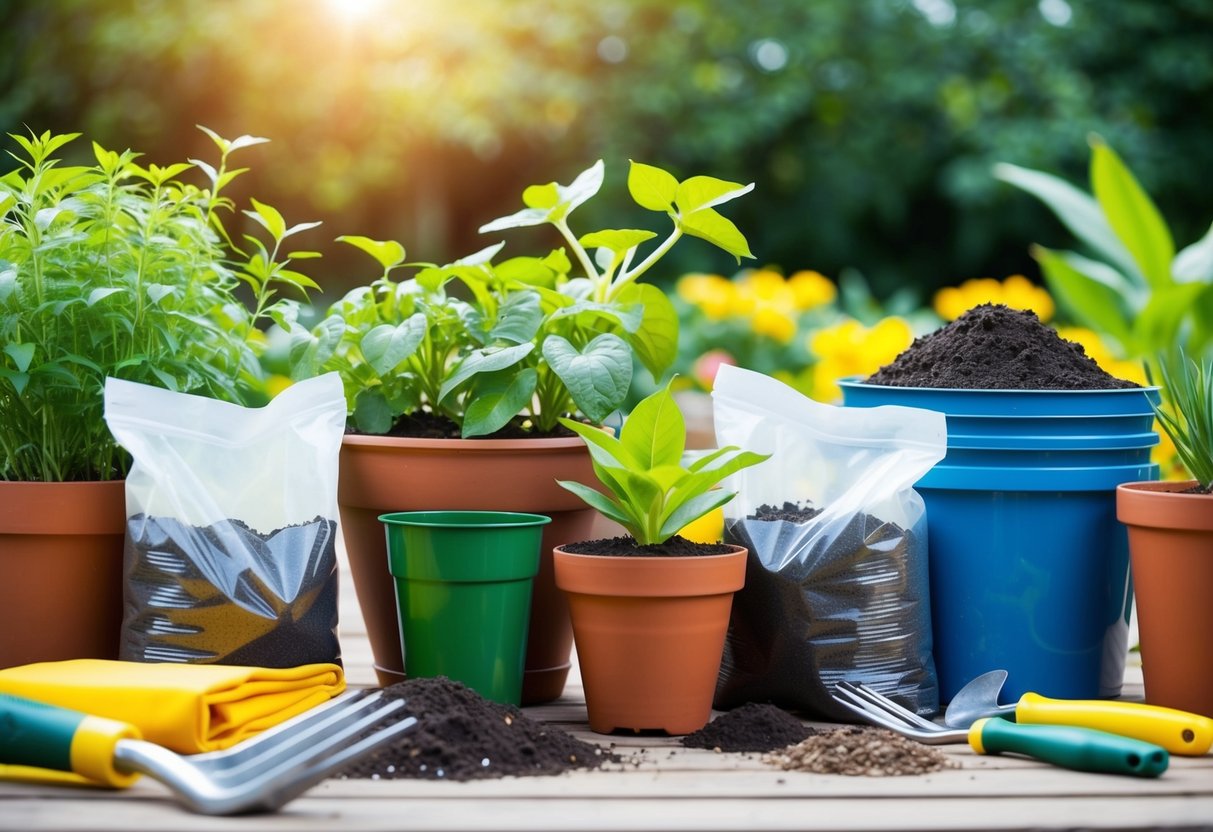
106,269
457,378
1171,546
650,610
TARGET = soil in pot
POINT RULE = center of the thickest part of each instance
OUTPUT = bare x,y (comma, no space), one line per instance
426,425
752,727
824,601
462,736
994,347
627,547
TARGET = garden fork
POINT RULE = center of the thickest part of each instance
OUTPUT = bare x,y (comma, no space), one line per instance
258,775
1082,749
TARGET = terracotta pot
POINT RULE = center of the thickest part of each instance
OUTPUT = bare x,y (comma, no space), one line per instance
650,635
387,474
1171,550
60,570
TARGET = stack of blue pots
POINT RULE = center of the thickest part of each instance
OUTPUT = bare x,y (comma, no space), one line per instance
1029,566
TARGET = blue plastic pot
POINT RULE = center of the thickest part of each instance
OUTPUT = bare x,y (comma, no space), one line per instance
1029,567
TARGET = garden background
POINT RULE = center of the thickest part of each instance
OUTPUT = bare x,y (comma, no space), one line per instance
870,128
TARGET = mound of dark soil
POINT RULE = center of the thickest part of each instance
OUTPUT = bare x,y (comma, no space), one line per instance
752,727
994,347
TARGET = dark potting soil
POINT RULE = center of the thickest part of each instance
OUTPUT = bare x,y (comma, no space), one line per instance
627,547
994,347
752,727
462,736
228,594
826,599
426,425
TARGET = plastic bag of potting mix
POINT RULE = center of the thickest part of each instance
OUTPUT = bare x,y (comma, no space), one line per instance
231,525
836,583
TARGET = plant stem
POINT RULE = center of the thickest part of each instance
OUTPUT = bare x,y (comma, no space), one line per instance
630,277
582,255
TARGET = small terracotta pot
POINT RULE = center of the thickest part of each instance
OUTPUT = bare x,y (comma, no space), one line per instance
1171,550
60,570
381,474
650,635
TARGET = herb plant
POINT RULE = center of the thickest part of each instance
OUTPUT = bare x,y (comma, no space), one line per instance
115,269
1189,418
537,338
650,493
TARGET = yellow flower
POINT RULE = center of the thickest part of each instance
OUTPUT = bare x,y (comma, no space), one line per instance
773,323
1099,352
811,289
851,349
765,283
276,383
1016,292
714,295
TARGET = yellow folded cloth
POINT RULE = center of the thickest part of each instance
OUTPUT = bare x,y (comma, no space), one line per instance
186,707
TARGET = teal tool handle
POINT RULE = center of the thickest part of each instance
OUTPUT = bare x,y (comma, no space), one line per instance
1082,749
38,740
34,734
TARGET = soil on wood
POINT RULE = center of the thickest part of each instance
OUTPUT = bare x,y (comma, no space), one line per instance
752,727
426,425
627,547
228,594
460,735
994,347
856,751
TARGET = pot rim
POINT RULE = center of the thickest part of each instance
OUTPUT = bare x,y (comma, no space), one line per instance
375,441
855,381
653,558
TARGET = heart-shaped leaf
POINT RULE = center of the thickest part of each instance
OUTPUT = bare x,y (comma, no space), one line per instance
22,355
498,397
385,346
655,340
652,187
388,253
597,377
372,414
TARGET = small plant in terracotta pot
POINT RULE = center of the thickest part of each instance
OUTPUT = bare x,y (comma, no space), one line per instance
1171,546
650,610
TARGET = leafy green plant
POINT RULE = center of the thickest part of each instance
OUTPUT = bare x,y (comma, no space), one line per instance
536,339
1134,287
115,269
1188,415
650,493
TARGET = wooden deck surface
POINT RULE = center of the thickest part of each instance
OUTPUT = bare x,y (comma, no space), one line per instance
664,786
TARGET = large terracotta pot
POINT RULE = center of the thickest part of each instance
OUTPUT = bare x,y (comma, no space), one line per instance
60,570
1171,550
650,635
388,474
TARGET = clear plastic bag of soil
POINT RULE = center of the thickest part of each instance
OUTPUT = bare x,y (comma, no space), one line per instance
836,584
231,525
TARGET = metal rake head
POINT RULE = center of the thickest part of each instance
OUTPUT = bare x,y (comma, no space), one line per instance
877,709
265,773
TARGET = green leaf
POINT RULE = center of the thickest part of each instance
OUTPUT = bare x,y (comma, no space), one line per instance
619,241
101,293
268,217
1157,326
1195,263
708,225
372,414
518,318
19,380
691,510
1095,303
388,253
156,292
485,360
520,219
655,432
1132,214
541,196
529,270
22,355
551,202
597,377
598,501
603,447
498,398
655,341
651,187
385,346
1077,211
700,192
8,284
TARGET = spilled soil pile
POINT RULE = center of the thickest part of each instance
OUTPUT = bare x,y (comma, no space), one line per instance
856,751
462,736
752,727
994,347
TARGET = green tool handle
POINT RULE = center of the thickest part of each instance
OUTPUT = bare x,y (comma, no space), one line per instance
1082,749
37,739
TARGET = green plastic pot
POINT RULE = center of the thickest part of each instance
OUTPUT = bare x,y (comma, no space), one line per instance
463,594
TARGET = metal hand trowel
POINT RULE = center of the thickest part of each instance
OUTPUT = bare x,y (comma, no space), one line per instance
1177,731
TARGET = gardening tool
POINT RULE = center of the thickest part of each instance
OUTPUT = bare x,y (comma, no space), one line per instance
1082,749
1177,731
258,775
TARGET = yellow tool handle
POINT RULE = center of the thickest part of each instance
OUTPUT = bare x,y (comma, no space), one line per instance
46,743
1177,731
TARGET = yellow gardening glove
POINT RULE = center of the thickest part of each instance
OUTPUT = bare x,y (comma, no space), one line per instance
188,708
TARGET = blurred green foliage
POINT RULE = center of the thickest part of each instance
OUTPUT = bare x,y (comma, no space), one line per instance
870,126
